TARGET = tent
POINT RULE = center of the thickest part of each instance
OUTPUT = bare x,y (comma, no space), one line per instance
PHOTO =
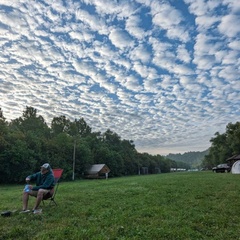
236,167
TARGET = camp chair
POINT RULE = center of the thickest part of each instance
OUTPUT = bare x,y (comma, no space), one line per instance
51,195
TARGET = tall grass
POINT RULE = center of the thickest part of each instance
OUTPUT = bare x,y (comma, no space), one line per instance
193,205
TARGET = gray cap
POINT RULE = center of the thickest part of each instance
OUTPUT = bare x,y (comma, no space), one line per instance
46,166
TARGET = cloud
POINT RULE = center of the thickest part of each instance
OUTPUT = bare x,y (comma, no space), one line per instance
156,72
133,23
233,5
120,38
229,25
206,22
168,18
183,54
91,21
140,53
235,45
200,8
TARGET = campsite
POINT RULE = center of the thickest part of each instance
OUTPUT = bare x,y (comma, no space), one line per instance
119,120
181,205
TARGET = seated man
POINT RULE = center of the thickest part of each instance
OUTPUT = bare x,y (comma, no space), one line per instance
44,186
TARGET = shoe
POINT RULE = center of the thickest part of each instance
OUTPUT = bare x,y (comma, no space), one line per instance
25,211
37,211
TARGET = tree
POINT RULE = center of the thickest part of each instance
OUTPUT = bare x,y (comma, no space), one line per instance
31,122
84,157
233,137
3,132
21,161
35,130
111,139
4,144
60,124
80,128
27,142
223,146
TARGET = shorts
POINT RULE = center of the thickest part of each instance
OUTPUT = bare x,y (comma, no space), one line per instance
45,192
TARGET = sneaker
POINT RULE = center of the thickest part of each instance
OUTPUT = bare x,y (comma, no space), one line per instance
37,211
25,211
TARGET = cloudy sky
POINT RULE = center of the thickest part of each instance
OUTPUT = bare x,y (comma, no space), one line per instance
163,73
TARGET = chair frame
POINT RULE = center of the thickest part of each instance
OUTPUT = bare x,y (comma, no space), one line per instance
57,172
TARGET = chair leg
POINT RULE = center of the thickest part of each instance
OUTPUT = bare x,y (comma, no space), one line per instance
52,201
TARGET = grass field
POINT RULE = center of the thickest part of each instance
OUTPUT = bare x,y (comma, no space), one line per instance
191,205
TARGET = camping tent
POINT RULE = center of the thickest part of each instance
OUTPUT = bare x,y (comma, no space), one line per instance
236,167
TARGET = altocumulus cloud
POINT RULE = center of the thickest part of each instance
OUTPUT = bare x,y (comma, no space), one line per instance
164,74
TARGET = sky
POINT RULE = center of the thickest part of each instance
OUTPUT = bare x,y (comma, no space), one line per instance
163,73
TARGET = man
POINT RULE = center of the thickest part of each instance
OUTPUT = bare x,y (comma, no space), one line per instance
44,185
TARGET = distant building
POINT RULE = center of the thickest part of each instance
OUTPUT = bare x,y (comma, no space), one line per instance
97,171
178,169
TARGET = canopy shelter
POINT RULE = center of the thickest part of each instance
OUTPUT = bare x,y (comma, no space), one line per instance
97,171
233,159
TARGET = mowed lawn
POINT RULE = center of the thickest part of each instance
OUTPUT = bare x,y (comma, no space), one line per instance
190,205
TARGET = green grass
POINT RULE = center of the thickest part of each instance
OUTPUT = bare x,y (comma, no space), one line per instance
193,205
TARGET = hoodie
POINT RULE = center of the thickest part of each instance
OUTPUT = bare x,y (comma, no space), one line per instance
44,181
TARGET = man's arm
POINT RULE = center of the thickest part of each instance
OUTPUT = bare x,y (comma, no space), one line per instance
31,177
47,184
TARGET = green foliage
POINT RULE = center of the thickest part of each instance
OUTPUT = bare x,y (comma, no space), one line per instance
191,159
27,142
3,132
199,205
60,124
223,146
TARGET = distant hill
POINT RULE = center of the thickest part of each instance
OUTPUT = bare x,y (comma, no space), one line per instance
194,159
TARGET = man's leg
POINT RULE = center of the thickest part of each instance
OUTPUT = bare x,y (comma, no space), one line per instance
26,197
40,195
25,200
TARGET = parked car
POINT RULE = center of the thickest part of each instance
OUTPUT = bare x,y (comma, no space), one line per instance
221,168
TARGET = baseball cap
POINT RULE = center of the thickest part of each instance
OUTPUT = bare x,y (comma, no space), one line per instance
45,165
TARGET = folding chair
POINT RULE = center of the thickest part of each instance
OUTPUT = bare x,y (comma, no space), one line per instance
57,175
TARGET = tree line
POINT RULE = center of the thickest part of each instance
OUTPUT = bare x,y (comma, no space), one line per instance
193,158
27,142
223,146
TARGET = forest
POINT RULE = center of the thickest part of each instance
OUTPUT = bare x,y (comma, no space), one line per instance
223,146
27,142
194,159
